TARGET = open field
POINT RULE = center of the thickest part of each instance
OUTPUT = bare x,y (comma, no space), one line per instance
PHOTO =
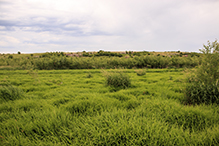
75,107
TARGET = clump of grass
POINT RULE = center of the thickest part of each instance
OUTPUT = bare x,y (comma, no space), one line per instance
197,91
120,96
118,80
9,92
86,107
140,72
89,75
60,102
170,78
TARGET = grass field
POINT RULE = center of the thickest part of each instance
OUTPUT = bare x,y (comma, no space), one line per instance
76,107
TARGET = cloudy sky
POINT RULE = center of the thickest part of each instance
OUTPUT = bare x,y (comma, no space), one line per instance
32,26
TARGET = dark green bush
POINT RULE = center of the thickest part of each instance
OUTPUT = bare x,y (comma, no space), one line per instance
10,93
118,79
202,86
10,57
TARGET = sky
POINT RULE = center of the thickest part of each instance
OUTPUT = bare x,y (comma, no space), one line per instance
37,26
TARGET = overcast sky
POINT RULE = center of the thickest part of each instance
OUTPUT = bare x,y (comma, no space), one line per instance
32,26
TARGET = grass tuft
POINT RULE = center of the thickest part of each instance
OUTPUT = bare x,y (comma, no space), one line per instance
89,75
140,72
10,92
118,80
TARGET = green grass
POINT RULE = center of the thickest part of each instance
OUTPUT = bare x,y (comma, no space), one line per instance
76,107
117,80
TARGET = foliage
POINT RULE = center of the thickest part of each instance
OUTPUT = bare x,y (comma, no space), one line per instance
202,85
101,59
140,72
103,53
117,79
10,57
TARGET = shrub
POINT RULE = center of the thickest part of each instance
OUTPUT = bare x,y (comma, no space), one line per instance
202,86
10,57
117,80
9,92
140,72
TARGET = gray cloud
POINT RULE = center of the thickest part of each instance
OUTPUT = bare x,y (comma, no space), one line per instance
107,24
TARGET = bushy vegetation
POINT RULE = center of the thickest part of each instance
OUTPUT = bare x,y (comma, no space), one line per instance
103,53
43,106
141,72
83,111
117,79
202,84
101,59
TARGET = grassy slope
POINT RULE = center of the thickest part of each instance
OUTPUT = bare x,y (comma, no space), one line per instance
66,107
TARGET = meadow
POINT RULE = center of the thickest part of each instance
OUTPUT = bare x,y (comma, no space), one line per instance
76,107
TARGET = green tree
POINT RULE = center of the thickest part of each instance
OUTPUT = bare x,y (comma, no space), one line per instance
202,86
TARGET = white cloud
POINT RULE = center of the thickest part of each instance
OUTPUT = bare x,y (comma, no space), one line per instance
71,25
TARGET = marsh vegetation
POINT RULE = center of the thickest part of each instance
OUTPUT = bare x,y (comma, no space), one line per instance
148,100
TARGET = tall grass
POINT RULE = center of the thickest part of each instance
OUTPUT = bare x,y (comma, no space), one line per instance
118,80
83,111
9,92
140,72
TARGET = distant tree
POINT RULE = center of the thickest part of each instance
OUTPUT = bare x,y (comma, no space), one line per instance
62,53
18,52
100,51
